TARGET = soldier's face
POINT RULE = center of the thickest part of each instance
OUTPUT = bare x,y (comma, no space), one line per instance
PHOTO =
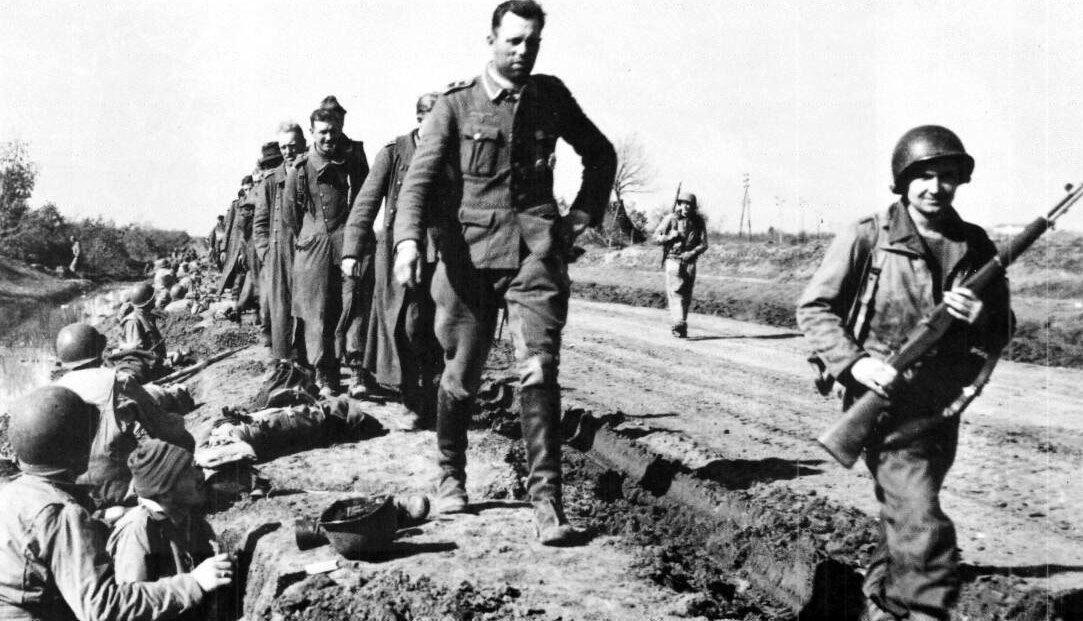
515,45
290,144
683,207
931,189
325,136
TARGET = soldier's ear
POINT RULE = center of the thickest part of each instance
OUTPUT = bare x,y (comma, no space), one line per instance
489,38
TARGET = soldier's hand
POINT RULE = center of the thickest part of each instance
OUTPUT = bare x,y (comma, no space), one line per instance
349,267
407,263
963,304
876,374
213,573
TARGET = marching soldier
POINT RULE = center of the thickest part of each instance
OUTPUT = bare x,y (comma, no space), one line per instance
877,282
233,255
683,236
320,187
216,242
274,245
401,349
503,240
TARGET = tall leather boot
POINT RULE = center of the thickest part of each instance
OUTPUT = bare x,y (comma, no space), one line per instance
452,417
540,418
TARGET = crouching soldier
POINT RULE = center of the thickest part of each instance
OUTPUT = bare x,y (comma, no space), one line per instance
879,279
124,410
141,342
165,535
53,561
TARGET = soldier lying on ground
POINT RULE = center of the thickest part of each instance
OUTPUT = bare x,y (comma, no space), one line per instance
126,412
53,564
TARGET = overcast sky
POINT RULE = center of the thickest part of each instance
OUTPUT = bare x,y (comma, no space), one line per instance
151,112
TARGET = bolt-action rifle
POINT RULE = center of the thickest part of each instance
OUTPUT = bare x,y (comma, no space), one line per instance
848,436
667,244
189,371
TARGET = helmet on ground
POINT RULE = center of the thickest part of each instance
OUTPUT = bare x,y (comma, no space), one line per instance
53,427
78,344
923,144
687,197
178,292
141,294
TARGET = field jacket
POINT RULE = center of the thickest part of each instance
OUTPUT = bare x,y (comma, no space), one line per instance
692,237
906,292
54,565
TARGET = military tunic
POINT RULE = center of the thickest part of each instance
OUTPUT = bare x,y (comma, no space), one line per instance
274,247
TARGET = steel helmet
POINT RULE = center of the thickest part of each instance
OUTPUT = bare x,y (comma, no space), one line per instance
925,143
687,197
141,294
53,427
78,344
178,292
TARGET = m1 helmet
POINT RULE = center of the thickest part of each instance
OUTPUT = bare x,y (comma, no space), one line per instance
141,294
53,427
923,144
688,197
78,344
178,292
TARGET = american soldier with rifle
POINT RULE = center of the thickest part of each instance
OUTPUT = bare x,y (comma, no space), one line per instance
910,268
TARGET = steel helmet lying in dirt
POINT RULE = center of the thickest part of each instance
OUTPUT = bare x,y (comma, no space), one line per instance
52,427
925,143
78,344
178,292
141,294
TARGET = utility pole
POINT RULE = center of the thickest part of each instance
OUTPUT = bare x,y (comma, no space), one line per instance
746,210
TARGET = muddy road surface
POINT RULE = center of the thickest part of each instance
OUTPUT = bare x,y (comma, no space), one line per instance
737,398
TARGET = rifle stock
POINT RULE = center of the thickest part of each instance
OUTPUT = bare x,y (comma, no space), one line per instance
845,439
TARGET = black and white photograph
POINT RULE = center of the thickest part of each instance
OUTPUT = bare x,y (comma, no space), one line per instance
541,310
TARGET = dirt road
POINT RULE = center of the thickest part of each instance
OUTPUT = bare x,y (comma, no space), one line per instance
739,395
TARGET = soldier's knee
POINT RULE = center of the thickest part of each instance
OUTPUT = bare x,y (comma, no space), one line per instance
538,369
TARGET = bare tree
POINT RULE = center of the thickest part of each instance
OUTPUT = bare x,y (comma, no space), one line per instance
635,173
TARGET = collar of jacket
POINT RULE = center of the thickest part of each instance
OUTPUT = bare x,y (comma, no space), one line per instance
320,162
497,87
902,233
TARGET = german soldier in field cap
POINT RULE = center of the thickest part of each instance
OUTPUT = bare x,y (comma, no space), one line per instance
320,187
401,349
879,279
503,240
683,236
274,244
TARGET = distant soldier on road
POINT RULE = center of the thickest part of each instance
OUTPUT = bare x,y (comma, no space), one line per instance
76,255
216,242
320,187
274,245
401,349
879,279
683,236
502,240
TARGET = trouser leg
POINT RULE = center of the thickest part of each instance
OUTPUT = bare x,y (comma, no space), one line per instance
915,569
687,284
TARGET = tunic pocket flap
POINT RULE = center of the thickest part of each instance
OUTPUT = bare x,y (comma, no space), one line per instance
476,217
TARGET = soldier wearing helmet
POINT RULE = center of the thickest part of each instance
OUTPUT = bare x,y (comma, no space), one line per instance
125,411
683,236
53,564
140,334
878,280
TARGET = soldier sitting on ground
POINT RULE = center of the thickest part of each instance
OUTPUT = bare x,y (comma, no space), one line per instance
165,535
125,412
141,341
53,564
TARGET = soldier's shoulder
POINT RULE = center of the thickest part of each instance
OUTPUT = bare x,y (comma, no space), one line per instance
550,83
459,86
300,160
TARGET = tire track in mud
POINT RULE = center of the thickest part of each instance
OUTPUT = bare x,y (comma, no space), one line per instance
1014,503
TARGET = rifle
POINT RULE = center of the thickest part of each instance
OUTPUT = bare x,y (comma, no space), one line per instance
189,371
666,245
848,436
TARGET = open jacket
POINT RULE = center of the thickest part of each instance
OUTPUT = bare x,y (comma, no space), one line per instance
906,292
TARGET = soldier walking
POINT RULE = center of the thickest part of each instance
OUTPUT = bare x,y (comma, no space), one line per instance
878,280
320,187
401,348
274,245
683,236
503,240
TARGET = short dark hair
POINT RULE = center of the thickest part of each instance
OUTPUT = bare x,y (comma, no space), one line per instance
527,9
325,115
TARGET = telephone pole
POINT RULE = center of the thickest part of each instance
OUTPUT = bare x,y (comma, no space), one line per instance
746,209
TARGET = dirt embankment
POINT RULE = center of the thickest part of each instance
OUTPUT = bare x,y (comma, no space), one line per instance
23,291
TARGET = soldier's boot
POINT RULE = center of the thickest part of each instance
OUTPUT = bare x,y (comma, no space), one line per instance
540,418
680,330
452,418
327,379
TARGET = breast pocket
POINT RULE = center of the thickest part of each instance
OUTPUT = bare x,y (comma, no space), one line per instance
480,150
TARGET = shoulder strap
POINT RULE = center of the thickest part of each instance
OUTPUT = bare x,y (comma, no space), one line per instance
858,321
